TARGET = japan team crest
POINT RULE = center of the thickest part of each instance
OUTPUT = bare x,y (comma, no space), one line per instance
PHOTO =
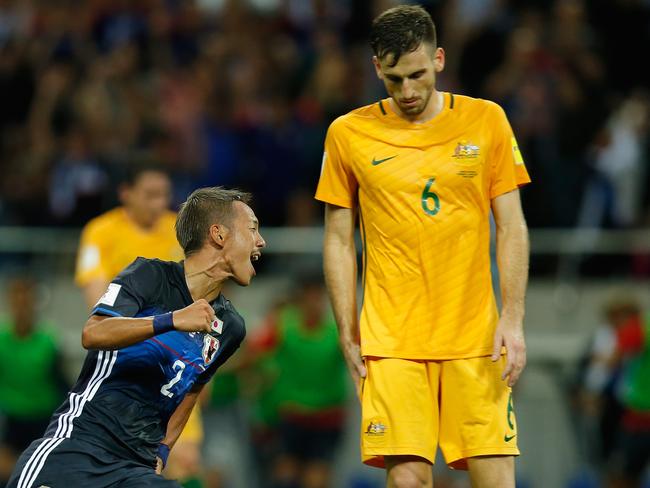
210,348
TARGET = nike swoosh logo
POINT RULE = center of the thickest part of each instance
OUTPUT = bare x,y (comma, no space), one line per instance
508,438
375,162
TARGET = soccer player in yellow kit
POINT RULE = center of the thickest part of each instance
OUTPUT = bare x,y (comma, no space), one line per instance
434,359
142,226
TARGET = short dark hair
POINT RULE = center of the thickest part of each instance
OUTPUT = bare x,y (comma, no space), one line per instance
133,171
401,29
204,207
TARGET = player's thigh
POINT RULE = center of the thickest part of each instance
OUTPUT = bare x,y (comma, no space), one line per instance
492,471
477,415
408,472
41,465
399,408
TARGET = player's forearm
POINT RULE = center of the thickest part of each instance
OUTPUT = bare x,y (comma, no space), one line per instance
512,260
340,265
180,416
107,333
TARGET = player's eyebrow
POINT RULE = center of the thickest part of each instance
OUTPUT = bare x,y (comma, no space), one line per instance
418,72
394,77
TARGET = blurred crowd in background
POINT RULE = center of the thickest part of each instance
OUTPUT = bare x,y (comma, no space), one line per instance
241,93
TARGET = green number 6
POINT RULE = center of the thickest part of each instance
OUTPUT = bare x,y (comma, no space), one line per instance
426,194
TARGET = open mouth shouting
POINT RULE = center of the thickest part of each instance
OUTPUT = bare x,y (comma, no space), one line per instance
255,256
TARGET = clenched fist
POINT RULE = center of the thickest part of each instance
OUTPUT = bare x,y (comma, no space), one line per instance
197,317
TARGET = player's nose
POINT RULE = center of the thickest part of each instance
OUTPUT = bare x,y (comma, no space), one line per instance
407,90
261,243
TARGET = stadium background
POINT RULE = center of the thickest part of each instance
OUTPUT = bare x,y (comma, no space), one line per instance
240,93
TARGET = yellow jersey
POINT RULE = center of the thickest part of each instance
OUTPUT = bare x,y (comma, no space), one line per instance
424,194
111,241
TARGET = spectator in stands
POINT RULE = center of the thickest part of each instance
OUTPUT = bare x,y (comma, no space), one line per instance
298,345
613,195
32,384
199,72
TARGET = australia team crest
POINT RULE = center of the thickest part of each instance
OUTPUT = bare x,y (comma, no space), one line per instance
466,150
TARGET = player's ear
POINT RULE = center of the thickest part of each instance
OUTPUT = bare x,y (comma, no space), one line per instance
439,59
218,234
375,62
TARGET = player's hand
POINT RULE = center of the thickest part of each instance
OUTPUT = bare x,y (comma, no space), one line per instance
197,317
510,333
352,354
159,465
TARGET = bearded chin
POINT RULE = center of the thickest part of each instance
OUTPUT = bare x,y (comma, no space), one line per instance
414,110
420,108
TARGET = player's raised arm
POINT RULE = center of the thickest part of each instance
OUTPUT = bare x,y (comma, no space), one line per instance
108,333
512,259
340,266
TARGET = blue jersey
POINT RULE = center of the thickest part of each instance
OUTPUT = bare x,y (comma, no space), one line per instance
124,398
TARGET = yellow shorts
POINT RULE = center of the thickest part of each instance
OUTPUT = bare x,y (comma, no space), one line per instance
410,407
193,430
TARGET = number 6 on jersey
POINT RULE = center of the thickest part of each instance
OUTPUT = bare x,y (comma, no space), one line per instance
426,194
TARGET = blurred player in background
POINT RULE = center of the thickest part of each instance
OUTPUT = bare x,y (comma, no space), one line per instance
155,338
422,169
32,383
305,376
142,226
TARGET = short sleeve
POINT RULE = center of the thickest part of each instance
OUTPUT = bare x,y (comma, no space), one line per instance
91,257
507,169
337,184
130,291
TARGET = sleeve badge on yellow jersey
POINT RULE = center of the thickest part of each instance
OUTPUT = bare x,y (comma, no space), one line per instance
516,153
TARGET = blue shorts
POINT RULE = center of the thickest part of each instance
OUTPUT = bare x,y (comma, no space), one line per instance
68,463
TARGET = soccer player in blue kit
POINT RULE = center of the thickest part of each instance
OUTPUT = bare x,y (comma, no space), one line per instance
154,339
